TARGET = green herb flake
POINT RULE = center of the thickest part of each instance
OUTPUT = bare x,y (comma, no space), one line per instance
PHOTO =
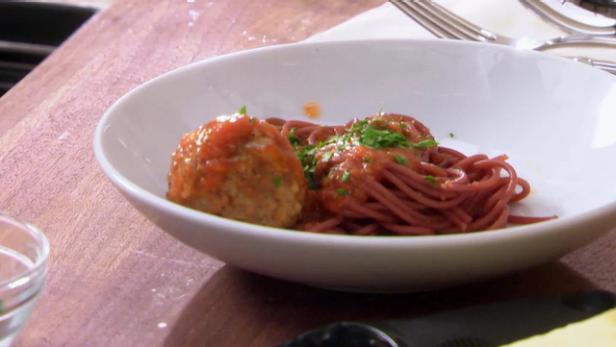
1,306
293,137
452,135
307,156
312,184
430,179
364,132
326,156
342,192
375,138
345,176
359,126
277,182
400,159
403,125
425,144
242,111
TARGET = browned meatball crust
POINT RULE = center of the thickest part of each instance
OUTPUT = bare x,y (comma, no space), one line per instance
241,168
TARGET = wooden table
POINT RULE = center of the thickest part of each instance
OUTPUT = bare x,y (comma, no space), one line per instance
117,280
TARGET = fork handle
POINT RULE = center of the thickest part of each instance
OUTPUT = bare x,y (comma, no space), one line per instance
568,24
606,65
578,41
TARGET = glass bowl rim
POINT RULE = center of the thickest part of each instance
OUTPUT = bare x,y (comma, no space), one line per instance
40,263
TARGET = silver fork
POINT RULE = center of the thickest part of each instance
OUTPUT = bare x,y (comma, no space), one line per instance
566,23
445,24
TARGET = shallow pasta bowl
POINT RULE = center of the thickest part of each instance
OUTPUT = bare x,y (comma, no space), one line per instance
555,119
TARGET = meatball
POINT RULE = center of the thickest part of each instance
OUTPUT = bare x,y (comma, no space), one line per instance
241,168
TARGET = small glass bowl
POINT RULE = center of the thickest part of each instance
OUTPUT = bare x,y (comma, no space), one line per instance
23,266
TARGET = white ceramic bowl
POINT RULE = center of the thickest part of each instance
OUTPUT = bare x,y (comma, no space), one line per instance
555,119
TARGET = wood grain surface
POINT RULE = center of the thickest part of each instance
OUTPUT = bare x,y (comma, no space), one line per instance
114,278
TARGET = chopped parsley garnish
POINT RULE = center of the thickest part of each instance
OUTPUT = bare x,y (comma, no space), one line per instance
342,192
425,144
293,137
368,132
356,128
1,306
430,179
383,138
327,156
400,159
242,111
375,138
277,182
306,156
345,176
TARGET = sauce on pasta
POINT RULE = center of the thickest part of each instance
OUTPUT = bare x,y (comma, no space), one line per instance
381,175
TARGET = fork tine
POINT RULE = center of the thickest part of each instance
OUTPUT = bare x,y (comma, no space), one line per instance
420,18
449,30
436,20
469,29
444,24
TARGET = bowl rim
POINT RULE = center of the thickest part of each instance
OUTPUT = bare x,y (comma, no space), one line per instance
39,267
491,236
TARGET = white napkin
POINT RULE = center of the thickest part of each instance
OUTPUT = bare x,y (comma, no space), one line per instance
507,17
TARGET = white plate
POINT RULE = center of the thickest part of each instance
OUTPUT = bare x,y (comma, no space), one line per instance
554,118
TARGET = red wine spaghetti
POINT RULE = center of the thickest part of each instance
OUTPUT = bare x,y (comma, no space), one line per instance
386,174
